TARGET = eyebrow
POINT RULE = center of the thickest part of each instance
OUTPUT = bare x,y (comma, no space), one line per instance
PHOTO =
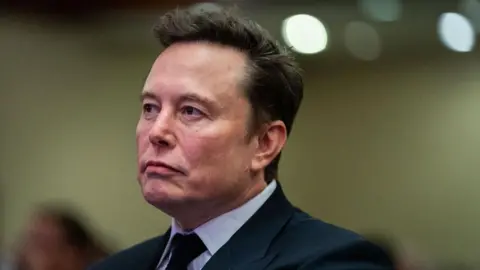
196,98
147,95
186,97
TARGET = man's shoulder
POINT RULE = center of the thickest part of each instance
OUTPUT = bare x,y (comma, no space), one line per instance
302,226
131,257
317,242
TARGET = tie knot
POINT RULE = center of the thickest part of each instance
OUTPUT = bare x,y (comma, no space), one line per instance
185,248
192,241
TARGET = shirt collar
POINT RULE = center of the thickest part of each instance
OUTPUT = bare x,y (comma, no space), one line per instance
216,232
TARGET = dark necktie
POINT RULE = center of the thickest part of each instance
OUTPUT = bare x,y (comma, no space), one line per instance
185,248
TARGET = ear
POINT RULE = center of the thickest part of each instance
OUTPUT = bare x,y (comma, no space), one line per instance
269,144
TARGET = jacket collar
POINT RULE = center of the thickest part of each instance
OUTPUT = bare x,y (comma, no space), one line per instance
249,245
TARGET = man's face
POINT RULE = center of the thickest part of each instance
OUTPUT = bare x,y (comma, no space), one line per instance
191,136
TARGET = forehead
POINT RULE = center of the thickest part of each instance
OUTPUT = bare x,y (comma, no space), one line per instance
200,67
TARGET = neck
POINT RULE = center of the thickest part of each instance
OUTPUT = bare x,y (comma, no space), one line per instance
197,217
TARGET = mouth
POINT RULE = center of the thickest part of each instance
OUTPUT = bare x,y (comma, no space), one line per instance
158,169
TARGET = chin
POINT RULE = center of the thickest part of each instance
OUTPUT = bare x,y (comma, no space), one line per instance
161,194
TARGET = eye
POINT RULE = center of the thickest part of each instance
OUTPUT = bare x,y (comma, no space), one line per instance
147,107
150,110
192,112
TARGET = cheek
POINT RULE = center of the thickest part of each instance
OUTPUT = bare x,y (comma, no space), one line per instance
141,138
207,154
201,150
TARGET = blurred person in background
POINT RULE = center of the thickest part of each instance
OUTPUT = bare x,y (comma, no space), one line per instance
391,248
217,108
5,264
404,258
57,239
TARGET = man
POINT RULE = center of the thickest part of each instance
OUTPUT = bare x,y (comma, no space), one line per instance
217,108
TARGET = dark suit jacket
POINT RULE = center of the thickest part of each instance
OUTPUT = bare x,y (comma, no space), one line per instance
277,237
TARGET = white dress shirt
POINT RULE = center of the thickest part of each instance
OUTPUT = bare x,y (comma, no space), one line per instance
216,232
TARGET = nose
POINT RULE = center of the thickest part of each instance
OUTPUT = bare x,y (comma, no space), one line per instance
162,134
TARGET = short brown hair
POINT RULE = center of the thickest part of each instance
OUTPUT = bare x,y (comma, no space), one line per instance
274,83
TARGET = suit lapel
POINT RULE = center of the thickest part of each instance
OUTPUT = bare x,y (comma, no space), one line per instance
154,253
248,247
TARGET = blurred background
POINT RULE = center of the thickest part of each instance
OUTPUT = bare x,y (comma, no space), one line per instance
387,139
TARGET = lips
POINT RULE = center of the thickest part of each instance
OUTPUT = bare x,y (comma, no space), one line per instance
158,167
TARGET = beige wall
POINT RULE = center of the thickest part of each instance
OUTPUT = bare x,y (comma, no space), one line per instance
388,148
